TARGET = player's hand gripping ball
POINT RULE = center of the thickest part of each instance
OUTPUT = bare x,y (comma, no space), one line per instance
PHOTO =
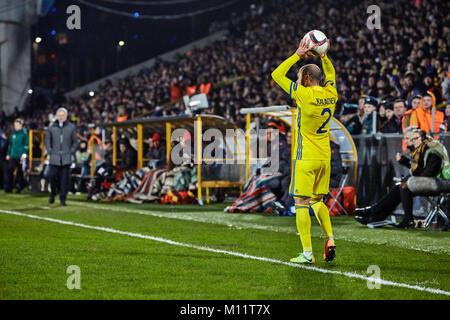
318,43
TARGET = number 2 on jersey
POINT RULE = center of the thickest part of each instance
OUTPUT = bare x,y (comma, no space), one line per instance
326,110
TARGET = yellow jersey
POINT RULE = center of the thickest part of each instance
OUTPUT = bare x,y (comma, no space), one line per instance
315,107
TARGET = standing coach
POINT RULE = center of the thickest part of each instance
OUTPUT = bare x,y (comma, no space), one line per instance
61,143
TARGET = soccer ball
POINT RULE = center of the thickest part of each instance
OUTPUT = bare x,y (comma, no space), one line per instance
317,41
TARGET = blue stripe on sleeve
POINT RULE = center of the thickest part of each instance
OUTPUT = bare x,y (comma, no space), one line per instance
290,90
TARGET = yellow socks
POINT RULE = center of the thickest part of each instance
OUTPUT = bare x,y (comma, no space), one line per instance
304,226
323,215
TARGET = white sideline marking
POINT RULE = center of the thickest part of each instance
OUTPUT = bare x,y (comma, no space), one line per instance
231,253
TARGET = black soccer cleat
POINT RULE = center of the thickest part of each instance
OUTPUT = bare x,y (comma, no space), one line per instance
330,250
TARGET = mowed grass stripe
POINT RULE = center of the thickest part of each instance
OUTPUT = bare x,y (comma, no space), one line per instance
398,265
34,255
345,227
353,233
236,254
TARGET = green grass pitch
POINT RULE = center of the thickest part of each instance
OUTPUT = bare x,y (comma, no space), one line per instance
35,254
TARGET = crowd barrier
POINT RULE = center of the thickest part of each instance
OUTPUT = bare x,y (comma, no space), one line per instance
377,164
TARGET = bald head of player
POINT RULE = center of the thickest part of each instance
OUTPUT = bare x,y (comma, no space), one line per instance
309,75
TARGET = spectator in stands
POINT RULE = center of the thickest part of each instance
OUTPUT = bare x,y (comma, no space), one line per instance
446,84
415,102
445,126
61,142
426,159
361,102
350,118
156,152
175,90
394,125
127,155
389,111
408,86
82,171
16,155
83,158
422,116
3,162
384,113
122,114
382,65
108,156
370,105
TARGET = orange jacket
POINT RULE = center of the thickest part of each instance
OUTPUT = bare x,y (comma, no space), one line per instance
205,88
175,93
191,90
406,120
122,118
422,117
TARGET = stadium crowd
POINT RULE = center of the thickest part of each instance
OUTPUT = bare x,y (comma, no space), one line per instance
400,71
407,57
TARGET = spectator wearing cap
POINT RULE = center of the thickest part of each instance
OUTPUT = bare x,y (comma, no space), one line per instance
350,118
394,125
422,116
370,105
16,154
156,152
61,143
415,101
385,111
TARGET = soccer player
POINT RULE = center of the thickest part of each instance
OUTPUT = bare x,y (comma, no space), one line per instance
312,154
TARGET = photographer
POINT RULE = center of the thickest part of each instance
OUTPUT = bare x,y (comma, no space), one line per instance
427,158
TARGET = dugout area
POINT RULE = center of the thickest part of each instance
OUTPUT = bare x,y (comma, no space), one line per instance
231,171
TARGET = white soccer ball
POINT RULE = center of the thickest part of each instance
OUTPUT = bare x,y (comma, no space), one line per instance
317,41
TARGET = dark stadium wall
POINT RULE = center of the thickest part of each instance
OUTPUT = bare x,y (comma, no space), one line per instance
67,59
15,53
